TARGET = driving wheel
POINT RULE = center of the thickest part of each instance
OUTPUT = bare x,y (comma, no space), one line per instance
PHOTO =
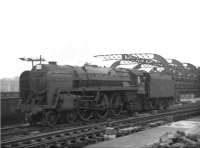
116,104
102,106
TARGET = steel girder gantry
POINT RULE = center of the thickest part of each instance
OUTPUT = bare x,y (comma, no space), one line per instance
139,59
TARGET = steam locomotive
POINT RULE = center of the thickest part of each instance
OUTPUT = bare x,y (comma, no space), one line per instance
53,93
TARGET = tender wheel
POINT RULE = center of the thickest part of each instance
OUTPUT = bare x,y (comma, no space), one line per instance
116,105
51,118
130,107
71,116
167,104
148,105
163,105
102,106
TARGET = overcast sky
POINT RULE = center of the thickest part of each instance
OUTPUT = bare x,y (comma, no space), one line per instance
71,32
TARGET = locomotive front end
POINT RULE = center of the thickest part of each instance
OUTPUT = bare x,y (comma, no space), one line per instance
33,91
40,90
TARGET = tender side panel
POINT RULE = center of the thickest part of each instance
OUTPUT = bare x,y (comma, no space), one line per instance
161,86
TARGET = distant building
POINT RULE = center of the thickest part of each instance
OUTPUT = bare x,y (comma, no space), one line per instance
9,84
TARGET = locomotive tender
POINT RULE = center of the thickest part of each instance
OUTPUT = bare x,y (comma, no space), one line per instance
51,93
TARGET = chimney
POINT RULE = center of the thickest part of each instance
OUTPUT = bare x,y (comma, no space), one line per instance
53,62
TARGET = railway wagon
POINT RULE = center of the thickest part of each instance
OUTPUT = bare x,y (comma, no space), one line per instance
9,108
186,77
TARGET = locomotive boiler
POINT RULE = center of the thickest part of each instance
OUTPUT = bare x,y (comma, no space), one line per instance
54,93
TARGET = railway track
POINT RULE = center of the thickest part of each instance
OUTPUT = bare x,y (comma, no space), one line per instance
25,129
84,135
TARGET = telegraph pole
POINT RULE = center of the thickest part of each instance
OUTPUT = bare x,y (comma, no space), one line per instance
32,60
